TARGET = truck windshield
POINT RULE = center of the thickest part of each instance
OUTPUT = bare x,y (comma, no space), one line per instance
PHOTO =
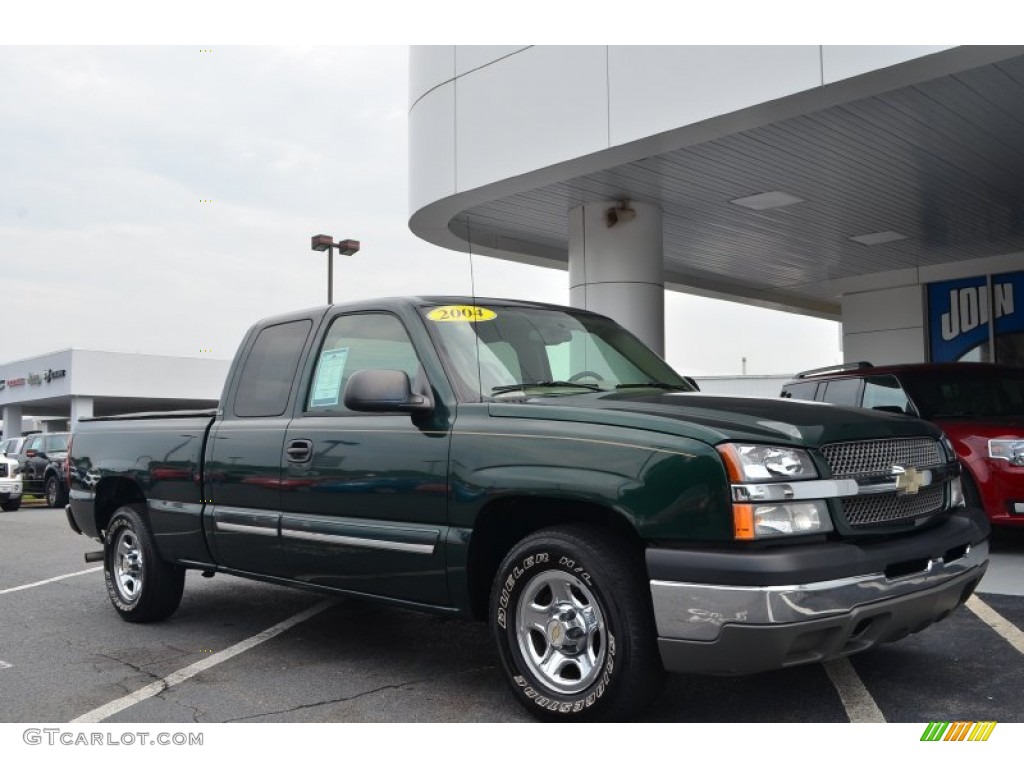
967,393
496,352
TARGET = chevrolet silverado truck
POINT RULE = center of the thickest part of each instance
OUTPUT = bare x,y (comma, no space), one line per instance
538,468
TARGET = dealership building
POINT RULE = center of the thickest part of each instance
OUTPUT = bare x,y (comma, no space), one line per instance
63,387
879,186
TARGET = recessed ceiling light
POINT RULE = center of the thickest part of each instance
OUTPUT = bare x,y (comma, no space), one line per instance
766,200
877,238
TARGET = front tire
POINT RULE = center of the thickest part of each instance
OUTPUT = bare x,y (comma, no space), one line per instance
571,616
11,506
141,586
56,493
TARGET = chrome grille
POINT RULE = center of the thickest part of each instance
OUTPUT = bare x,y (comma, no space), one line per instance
877,457
882,508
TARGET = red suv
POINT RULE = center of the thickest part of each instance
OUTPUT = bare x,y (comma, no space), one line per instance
979,406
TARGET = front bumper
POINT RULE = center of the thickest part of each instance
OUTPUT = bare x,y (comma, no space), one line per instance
797,605
10,490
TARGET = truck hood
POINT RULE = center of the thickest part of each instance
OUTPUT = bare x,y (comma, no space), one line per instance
715,419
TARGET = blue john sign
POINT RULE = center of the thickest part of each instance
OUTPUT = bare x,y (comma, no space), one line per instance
959,312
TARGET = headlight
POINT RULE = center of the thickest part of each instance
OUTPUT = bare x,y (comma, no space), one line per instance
1008,450
777,470
759,521
758,463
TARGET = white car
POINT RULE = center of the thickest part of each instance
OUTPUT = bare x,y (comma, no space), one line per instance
10,484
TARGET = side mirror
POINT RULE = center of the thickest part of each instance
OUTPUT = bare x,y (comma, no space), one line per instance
31,454
383,391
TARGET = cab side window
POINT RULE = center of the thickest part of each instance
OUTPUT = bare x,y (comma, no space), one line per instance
842,392
364,341
886,394
803,390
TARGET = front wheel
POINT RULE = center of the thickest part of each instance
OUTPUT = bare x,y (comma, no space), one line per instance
571,615
11,506
141,586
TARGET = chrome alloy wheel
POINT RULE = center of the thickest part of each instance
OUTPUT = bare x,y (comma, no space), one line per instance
561,631
127,562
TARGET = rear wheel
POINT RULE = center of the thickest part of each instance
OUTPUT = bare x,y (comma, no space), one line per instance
141,586
11,506
570,613
56,493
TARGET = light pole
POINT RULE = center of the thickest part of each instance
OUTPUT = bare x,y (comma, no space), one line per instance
326,243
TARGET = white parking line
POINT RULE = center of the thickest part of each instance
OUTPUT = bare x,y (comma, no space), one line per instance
102,713
859,705
5,665
50,581
1006,629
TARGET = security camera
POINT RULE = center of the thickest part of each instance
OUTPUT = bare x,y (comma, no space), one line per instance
620,213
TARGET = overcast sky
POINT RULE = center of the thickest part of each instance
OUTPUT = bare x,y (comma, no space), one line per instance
107,241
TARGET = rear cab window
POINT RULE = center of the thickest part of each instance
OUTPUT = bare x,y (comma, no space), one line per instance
269,371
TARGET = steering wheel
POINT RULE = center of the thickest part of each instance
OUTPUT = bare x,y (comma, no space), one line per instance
584,374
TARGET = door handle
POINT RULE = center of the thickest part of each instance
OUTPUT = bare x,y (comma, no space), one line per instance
299,451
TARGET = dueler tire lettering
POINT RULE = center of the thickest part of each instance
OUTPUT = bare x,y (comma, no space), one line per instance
141,586
570,613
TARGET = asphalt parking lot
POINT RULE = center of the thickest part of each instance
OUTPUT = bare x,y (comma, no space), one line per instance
250,652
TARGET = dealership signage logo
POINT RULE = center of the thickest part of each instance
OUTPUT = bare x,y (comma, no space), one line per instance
33,379
963,313
960,731
968,308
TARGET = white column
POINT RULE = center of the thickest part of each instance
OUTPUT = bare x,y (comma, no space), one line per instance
81,408
618,270
12,421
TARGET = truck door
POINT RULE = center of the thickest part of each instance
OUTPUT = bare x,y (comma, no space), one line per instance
243,458
364,495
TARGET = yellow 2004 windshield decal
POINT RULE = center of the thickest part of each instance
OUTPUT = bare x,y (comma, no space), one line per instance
460,314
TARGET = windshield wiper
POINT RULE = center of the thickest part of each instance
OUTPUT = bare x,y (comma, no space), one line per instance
656,385
515,387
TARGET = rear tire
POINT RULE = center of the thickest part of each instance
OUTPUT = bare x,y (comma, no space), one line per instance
571,616
56,493
141,586
11,506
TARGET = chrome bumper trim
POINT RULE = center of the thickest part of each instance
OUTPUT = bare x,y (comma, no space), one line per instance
798,491
687,611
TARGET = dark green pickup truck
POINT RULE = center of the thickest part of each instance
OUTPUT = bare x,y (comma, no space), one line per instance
536,467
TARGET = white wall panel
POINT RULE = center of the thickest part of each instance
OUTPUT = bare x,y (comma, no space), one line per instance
885,347
883,310
659,88
429,66
115,374
539,107
432,147
842,61
469,57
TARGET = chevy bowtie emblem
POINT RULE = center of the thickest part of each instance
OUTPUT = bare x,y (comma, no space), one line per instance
909,480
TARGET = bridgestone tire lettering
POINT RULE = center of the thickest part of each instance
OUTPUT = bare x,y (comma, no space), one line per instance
610,685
